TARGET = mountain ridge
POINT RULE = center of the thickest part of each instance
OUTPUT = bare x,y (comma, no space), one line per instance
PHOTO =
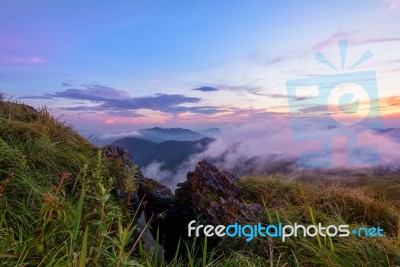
172,153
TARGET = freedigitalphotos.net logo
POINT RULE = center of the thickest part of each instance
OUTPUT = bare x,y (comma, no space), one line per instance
280,230
344,99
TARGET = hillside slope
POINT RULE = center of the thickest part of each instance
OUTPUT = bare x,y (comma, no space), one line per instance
56,189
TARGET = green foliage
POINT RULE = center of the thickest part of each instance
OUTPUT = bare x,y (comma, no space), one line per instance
55,201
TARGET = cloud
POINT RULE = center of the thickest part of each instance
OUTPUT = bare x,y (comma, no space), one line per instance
119,135
301,53
378,40
124,113
245,88
66,84
355,38
199,110
119,103
99,109
206,89
160,102
331,40
278,60
392,4
38,60
92,92
48,97
268,145
315,109
284,96
6,59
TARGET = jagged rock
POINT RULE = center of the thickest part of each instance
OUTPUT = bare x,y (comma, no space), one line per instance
232,210
114,153
216,194
119,159
208,192
208,179
157,198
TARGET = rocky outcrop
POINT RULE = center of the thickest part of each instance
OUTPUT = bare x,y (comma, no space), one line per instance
208,193
231,210
158,199
128,177
139,193
117,153
216,195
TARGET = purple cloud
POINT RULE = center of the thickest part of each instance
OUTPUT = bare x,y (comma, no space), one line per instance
206,89
92,92
6,59
66,84
161,102
314,109
119,103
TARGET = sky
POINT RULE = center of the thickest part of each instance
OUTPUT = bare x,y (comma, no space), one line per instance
115,66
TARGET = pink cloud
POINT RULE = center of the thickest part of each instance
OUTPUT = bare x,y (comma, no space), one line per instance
22,60
123,121
38,60
392,4
331,40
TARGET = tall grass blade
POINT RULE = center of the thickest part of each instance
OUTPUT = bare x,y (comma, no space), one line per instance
315,223
82,260
205,252
78,216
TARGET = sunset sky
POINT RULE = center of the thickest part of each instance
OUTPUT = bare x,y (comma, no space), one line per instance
112,66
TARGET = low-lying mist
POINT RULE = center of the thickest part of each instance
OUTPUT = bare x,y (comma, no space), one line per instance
269,147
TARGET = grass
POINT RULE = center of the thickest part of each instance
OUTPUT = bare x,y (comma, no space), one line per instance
57,208
329,204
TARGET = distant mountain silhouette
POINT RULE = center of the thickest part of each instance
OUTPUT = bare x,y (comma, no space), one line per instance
210,132
159,135
391,132
156,135
172,153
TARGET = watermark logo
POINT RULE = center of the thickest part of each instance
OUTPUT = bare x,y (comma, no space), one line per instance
280,230
346,98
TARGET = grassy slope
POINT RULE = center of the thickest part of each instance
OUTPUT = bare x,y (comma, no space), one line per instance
327,204
46,220
45,169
